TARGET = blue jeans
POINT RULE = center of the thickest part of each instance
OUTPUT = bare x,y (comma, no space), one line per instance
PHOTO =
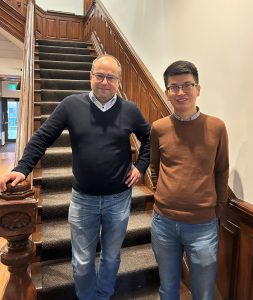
199,241
91,217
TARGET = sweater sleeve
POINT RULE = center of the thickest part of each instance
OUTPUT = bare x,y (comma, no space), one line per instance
142,131
154,157
222,167
42,139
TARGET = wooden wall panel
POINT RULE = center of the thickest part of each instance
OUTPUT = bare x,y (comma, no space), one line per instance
143,100
245,272
228,259
76,30
60,26
153,111
63,29
39,24
50,28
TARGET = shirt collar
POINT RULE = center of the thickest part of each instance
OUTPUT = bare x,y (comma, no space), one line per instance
191,118
102,107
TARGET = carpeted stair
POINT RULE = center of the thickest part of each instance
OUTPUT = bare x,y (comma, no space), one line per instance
62,68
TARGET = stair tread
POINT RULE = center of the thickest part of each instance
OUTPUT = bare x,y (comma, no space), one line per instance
57,172
73,91
61,61
68,47
63,71
133,260
63,54
60,79
58,150
60,198
55,231
62,42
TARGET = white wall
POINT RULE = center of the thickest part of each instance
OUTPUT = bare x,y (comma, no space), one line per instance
11,54
74,6
215,35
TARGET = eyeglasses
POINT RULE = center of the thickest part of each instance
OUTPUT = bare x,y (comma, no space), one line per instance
186,87
100,77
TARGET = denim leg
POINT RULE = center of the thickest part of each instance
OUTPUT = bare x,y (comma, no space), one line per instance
168,252
84,219
201,244
115,213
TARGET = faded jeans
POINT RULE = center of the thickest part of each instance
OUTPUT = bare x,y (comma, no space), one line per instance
199,241
91,217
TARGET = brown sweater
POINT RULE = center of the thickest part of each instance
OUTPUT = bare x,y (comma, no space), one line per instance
189,167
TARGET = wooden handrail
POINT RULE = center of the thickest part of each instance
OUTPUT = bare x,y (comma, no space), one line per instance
25,118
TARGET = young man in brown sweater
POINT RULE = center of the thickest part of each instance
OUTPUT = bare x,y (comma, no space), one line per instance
189,167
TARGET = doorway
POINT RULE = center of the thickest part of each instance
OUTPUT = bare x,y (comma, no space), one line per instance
9,120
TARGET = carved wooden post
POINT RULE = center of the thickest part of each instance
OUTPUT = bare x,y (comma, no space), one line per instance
18,212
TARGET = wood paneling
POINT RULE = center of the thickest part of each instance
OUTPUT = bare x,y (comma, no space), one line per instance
58,25
86,5
19,5
228,258
235,274
12,21
245,271
49,25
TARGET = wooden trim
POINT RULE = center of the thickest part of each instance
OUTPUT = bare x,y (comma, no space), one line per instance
87,5
12,21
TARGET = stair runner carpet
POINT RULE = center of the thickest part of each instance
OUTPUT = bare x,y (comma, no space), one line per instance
64,69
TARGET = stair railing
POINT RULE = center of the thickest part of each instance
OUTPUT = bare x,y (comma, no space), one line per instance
18,208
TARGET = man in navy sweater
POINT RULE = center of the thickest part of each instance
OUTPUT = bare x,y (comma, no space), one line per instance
99,125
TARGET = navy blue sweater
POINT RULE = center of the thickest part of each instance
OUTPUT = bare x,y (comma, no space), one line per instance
101,151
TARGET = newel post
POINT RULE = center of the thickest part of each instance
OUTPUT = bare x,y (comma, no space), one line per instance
18,213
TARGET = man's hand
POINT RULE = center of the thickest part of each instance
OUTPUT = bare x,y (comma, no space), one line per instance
133,177
15,177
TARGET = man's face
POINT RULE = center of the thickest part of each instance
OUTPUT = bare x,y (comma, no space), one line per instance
104,89
182,91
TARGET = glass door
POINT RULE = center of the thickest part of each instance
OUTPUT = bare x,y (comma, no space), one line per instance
12,113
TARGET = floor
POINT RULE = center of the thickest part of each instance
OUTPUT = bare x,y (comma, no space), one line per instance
7,156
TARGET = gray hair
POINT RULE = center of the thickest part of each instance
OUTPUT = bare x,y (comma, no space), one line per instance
104,56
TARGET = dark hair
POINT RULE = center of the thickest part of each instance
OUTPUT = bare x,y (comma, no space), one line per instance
181,67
